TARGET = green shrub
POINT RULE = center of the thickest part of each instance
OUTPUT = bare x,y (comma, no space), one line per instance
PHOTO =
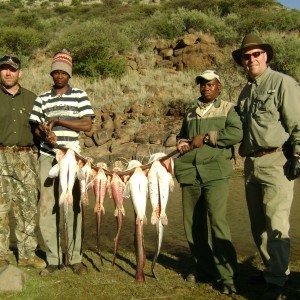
20,40
16,3
27,19
64,9
166,26
94,46
286,54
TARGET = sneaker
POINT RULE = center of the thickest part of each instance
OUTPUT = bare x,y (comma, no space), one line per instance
228,289
4,263
34,262
50,270
272,292
79,269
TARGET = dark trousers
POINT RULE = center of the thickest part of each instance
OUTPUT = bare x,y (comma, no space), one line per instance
216,257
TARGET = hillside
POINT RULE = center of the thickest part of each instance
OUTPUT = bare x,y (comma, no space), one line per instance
138,61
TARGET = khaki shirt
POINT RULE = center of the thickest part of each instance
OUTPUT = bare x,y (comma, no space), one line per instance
269,108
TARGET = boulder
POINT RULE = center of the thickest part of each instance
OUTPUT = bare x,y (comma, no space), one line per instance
102,136
171,140
12,279
166,52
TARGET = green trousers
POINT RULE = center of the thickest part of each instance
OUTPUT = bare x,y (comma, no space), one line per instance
200,203
269,197
52,219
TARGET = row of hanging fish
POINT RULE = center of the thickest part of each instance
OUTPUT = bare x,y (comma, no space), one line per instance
138,182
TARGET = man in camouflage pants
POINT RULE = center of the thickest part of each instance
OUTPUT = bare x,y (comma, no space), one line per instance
18,166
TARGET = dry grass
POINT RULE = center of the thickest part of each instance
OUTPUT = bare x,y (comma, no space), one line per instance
114,283
132,87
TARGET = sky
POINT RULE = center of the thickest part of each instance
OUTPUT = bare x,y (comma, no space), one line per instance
290,3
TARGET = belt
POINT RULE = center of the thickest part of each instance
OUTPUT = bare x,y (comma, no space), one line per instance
16,148
263,152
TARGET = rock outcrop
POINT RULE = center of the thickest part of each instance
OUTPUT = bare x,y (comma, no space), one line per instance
142,129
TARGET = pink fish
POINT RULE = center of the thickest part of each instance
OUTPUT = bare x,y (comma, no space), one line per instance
137,189
117,190
84,177
101,184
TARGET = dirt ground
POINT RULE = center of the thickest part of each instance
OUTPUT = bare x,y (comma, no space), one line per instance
173,263
174,238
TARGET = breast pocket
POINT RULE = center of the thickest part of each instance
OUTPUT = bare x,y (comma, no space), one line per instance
265,109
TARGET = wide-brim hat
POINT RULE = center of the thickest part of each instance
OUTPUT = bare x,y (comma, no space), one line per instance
252,41
207,76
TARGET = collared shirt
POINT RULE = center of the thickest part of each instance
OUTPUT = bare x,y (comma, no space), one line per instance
15,109
72,105
204,107
269,108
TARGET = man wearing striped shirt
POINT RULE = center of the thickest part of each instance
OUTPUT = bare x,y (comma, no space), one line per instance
59,114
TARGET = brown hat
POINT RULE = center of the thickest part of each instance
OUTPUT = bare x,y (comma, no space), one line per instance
252,41
11,61
62,61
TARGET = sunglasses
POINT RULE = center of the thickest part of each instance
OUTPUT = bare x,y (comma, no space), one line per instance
254,54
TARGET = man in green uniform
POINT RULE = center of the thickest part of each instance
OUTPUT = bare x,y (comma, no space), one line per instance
208,133
269,106
18,166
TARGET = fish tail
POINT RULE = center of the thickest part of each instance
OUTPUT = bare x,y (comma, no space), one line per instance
70,197
164,219
62,198
154,218
84,198
116,212
95,208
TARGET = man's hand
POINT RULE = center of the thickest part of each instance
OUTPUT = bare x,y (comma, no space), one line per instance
197,141
51,138
51,123
184,147
44,129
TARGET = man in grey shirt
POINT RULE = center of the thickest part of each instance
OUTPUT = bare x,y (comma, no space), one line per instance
269,109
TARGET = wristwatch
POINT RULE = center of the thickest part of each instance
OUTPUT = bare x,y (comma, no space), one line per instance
206,139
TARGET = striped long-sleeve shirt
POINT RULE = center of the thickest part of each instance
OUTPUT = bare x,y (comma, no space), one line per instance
72,105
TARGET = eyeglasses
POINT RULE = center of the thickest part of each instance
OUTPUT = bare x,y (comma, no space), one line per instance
254,54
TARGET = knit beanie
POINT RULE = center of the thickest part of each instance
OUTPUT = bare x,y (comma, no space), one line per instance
62,61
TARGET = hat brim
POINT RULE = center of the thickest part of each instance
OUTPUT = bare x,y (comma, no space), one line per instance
13,65
237,54
200,79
